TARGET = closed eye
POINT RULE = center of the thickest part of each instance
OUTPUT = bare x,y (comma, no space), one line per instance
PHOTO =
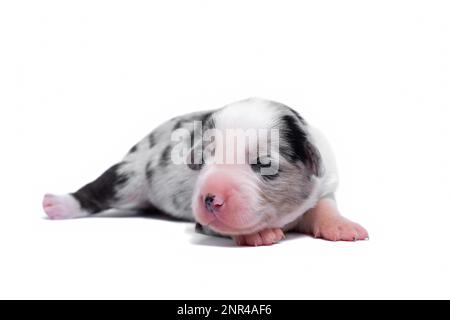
261,163
264,163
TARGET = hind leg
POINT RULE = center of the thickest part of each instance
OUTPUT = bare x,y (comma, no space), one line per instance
117,188
63,207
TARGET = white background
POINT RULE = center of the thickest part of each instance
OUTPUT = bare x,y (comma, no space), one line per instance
82,81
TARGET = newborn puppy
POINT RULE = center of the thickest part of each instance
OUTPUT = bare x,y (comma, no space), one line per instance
251,170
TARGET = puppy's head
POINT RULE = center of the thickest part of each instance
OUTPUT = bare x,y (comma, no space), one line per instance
241,194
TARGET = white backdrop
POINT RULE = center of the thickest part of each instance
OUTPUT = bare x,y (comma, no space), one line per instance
82,81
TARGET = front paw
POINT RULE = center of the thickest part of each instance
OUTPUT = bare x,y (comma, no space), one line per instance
339,229
265,237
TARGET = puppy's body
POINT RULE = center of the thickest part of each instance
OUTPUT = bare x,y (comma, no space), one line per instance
230,199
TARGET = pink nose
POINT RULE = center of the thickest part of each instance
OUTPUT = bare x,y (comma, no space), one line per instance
213,203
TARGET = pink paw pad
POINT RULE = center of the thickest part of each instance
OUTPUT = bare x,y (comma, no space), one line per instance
265,237
61,207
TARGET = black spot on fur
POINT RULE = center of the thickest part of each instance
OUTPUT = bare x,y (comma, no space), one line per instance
165,157
295,138
297,115
204,118
299,148
151,140
178,125
207,121
176,202
121,179
149,172
134,149
99,194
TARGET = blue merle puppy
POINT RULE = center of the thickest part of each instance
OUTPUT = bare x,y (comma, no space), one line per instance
285,180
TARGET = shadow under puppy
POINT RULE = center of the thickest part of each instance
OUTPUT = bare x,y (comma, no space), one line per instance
284,182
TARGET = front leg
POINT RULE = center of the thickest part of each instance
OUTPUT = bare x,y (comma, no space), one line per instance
265,237
324,221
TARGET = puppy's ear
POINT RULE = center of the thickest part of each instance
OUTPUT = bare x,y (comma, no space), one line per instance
297,146
312,159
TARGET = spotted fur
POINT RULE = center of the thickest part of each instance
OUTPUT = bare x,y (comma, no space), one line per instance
147,177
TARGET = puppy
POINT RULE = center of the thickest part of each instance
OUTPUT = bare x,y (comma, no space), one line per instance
251,170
